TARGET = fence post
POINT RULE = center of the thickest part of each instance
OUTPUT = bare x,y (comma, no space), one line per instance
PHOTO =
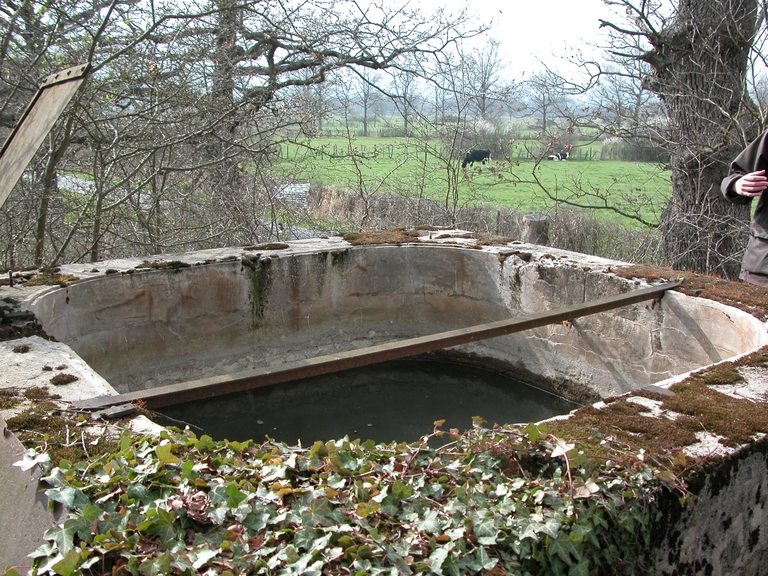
535,229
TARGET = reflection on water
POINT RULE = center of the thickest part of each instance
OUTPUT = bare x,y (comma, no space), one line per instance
397,400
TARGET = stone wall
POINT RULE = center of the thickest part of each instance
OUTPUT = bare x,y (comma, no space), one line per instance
143,326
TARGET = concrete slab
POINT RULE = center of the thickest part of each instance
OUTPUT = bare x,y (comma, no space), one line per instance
24,513
35,362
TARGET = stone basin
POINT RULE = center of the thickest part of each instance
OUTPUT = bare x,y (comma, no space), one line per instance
145,323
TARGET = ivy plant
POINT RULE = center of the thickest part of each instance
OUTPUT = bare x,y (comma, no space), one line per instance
499,500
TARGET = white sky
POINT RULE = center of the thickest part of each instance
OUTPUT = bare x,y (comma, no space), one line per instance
540,30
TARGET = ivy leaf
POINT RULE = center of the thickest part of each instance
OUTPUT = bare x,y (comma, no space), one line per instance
580,569
585,489
486,531
234,495
201,556
161,524
438,557
205,444
365,509
63,535
486,562
401,490
32,458
430,523
188,471
562,547
561,448
305,538
165,455
69,496
451,566
240,446
321,513
68,565
533,433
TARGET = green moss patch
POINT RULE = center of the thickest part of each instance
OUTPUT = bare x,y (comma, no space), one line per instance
742,295
163,265
268,246
62,435
9,398
63,379
51,277
374,237
697,406
736,420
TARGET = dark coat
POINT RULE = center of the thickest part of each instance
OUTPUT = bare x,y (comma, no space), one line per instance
753,158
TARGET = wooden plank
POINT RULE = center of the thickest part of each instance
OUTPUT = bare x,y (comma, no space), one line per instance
239,381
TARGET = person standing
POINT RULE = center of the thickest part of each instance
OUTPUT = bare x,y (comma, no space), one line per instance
747,180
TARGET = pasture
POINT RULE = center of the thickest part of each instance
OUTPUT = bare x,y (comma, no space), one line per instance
633,193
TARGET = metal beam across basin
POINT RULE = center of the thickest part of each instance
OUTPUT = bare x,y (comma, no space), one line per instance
239,381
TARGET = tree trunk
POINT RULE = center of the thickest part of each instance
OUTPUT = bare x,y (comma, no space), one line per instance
699,68
50,188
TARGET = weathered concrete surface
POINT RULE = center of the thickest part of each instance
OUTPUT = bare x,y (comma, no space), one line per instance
34,361
238,309
724,528
24,508
24,514
235,309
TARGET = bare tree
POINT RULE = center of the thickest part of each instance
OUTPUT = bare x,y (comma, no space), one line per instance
184,97
699,55
366,94
546,98
405,95
485,68
619,102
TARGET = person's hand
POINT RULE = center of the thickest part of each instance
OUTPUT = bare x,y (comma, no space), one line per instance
751,184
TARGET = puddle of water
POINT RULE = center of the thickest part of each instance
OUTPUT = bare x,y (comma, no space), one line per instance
397,400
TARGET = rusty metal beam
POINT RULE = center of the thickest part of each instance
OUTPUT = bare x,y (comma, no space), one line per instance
228,383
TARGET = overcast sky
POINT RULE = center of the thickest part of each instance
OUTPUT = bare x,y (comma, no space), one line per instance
533,30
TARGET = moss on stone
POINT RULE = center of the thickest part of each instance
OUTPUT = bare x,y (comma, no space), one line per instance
259,270
742,295
63,378
48,277
374,237
163,265
268,246
63,433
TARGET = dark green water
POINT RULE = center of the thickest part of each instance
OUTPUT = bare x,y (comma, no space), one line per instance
396,400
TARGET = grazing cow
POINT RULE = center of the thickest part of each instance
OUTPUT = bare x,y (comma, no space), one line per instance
559,156
473,156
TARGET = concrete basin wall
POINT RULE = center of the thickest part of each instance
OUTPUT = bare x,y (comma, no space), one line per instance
146,327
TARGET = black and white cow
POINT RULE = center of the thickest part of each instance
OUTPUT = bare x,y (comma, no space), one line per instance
473,156
559,156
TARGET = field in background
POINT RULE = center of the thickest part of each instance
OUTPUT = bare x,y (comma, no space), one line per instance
401,166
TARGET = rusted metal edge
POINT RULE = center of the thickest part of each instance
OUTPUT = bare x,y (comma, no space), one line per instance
239,381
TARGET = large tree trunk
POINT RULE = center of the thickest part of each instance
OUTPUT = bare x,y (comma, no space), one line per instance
699,68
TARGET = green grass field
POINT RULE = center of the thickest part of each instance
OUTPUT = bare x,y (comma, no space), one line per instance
626,191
